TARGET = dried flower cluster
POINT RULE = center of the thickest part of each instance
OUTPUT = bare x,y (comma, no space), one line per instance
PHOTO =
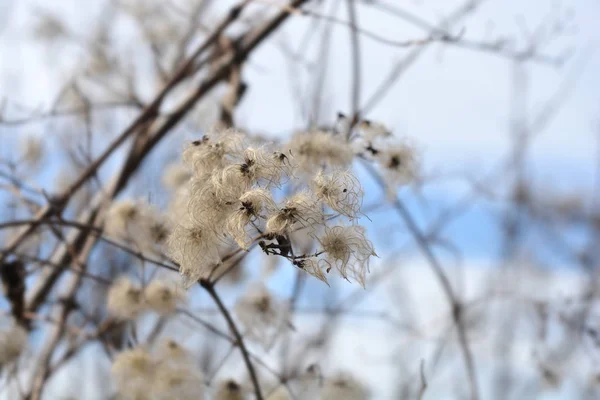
126,300
398,159
297,201
167,373
138,223
319,149
229,198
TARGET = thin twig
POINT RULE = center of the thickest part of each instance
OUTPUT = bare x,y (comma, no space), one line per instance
209,287
356,67
423,387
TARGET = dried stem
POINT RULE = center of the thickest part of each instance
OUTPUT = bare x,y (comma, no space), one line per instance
209,287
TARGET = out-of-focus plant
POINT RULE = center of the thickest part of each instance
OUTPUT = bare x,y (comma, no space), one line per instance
93,259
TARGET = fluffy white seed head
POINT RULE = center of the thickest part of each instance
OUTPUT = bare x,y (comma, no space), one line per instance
228,185
13,341
348,250
313,266
134,371
133,363
196,251
250,207
262,315
212,200
156,231
181,382
264,166
177,376
125,299
229,389
284,165
214,150
163,297
301,210
400,163
371,130
257,202
122,217
169,351
259,165
137,222
340,190
343,387
167,374
317,149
